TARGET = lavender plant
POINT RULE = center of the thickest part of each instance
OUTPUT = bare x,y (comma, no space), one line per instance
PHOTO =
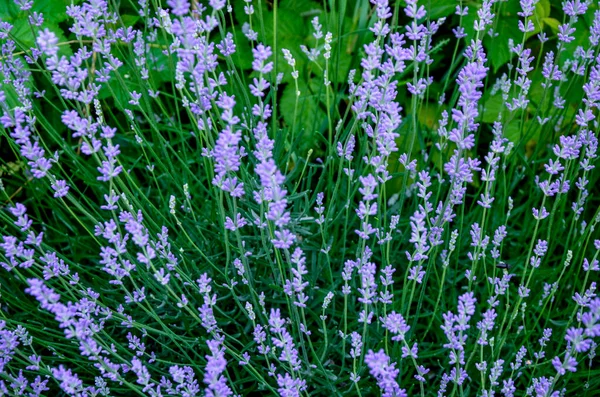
292,198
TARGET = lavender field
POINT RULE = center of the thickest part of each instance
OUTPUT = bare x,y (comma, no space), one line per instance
299,198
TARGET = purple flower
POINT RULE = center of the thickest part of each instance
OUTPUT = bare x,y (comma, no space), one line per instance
413,10
368,282
485,16
575,7
575,336
207,316
261,53
109,170
591,319
565,33
540,248
543,387
470,80
290,387
179,7
69,382
276,322
320,209
24,5
283,239
416,273
385,373
568,364
486,325
410,351
23,221
227,154
227,45
455,325
215,367
593,266
60,188
236,224
143,376
45,295
289,353
356,343
217,4
295,287
346,152
47,42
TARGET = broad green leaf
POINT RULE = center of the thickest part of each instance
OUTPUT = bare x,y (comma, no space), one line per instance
428,114
509,8
300,8
310,117
9,10
553,23
497,47
53,10
23,34
525,135
439,8
303,8
129,20
290,26
542,9
512,131
492,107
536,91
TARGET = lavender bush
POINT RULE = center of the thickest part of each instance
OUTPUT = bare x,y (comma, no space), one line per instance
294,198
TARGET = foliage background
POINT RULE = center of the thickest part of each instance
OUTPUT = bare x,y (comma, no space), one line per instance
170,157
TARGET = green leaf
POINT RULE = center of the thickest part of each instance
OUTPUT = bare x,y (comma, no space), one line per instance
492,107
9,10
302,8
129,20
542,9
54,10
512,131
290,26
439,8
23,34
521,134
497,47
509,8
589,16
309,115
553,23
536,92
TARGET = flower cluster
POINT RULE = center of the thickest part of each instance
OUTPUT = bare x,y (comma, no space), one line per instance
226,198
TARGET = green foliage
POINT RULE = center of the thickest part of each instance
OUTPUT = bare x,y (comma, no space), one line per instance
169,177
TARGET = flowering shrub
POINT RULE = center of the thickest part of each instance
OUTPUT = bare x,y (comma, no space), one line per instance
249,197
